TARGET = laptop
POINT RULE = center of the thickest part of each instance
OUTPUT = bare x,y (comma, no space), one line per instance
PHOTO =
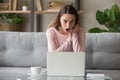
66,63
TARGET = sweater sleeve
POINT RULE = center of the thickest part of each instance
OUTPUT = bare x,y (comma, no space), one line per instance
65,45
82,38
51,40
78,41
53,44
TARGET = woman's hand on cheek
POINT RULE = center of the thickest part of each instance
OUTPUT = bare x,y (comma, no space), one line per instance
76,28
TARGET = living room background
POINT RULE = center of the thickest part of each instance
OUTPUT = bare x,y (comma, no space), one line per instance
88,20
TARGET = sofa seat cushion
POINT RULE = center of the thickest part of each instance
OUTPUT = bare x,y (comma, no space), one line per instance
106,60
21,70
114,74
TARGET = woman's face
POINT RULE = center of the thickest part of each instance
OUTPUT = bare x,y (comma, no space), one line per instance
67,22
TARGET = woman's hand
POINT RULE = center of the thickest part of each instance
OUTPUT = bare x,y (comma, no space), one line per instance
76,28
70,33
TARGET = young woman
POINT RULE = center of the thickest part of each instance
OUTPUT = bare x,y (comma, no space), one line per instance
64,33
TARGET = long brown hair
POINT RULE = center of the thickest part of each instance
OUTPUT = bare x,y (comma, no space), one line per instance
65,9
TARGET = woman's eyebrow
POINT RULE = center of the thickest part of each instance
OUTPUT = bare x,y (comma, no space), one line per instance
64,19
67,20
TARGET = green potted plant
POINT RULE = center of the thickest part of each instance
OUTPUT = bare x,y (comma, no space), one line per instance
11,22
110,18
25,6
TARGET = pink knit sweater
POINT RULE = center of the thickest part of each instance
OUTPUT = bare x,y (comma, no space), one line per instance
61,42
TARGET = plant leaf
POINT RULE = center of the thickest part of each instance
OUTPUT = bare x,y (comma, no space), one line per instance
107,13
100,17
114,12
97,30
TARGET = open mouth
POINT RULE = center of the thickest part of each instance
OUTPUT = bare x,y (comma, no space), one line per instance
67,29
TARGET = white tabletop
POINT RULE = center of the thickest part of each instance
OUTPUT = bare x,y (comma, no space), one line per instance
45,77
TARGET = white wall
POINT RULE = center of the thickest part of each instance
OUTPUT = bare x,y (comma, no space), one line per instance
90,7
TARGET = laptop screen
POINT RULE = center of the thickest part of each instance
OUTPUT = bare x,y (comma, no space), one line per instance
66,63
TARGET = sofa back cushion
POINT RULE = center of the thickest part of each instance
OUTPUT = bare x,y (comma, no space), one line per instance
23,49
29,49
103,50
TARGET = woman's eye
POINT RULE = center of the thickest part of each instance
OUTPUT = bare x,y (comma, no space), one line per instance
65,21
71,21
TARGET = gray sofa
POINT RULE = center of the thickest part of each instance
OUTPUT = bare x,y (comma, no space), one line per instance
20,50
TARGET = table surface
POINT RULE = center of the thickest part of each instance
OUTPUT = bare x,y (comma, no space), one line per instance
45,77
